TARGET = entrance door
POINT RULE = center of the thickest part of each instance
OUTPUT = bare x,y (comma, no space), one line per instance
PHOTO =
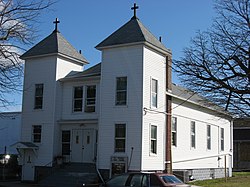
82,145
28,169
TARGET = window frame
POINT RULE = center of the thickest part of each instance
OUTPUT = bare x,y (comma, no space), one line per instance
153,140
66,142
192,135
174,131
36,136
88,108
77,99
39,89
209,146
154,93
222,139
119,139
120,91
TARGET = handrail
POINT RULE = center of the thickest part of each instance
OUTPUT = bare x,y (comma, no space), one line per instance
99,174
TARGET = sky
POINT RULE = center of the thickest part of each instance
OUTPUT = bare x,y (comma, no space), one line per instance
85,23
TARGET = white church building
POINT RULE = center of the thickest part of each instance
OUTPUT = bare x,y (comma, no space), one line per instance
123,114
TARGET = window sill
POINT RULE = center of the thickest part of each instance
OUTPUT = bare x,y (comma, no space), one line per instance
153,154
120,106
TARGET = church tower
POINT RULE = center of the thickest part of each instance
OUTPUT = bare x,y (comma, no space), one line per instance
45,63
133,86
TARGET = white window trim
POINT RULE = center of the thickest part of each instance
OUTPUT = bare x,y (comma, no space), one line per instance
114,148
174,131
85,90
151,92
151,153
32,134
73,99
191,134
115,91
222,139
209,138
35,97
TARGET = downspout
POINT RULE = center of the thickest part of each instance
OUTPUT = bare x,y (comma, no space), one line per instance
168,150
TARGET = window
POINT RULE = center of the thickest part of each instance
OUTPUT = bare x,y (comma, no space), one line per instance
90,98
37,133
65,142
209,137
136,180
174,131
153,139
192,134
38,96
222,139
154,89
120,137
78,93
121,91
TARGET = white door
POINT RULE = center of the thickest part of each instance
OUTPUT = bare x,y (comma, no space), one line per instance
28,169
82,147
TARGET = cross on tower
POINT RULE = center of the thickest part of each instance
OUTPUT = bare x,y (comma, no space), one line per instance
56,23
134,8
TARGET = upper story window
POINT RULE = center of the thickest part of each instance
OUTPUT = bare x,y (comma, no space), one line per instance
192,134
90,98
222,139
153,139
37,133
208,137
154,93
120,137
174,131
38,96
121,91
78,96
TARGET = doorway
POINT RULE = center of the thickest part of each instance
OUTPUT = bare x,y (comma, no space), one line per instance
82,145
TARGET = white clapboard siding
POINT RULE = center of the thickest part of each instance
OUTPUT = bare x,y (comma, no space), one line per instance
44,70
118,62
185,157
154,68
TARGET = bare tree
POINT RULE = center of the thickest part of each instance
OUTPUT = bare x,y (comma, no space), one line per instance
217,62
18,21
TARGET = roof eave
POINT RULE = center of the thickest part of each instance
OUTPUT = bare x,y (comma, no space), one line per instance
80,78
198,104
163,51
55,54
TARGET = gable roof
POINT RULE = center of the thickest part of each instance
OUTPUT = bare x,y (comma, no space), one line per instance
55,43
132,32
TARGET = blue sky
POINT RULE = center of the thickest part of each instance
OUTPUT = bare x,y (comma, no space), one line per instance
85,23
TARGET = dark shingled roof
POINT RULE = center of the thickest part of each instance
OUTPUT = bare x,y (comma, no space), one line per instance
190,96
133,31
55,43
92,71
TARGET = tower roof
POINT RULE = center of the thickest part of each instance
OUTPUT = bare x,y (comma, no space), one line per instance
55,43
132,32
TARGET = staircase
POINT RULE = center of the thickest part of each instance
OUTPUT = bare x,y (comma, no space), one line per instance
72,175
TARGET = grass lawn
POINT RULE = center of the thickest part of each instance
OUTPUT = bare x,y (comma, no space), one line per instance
239,179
